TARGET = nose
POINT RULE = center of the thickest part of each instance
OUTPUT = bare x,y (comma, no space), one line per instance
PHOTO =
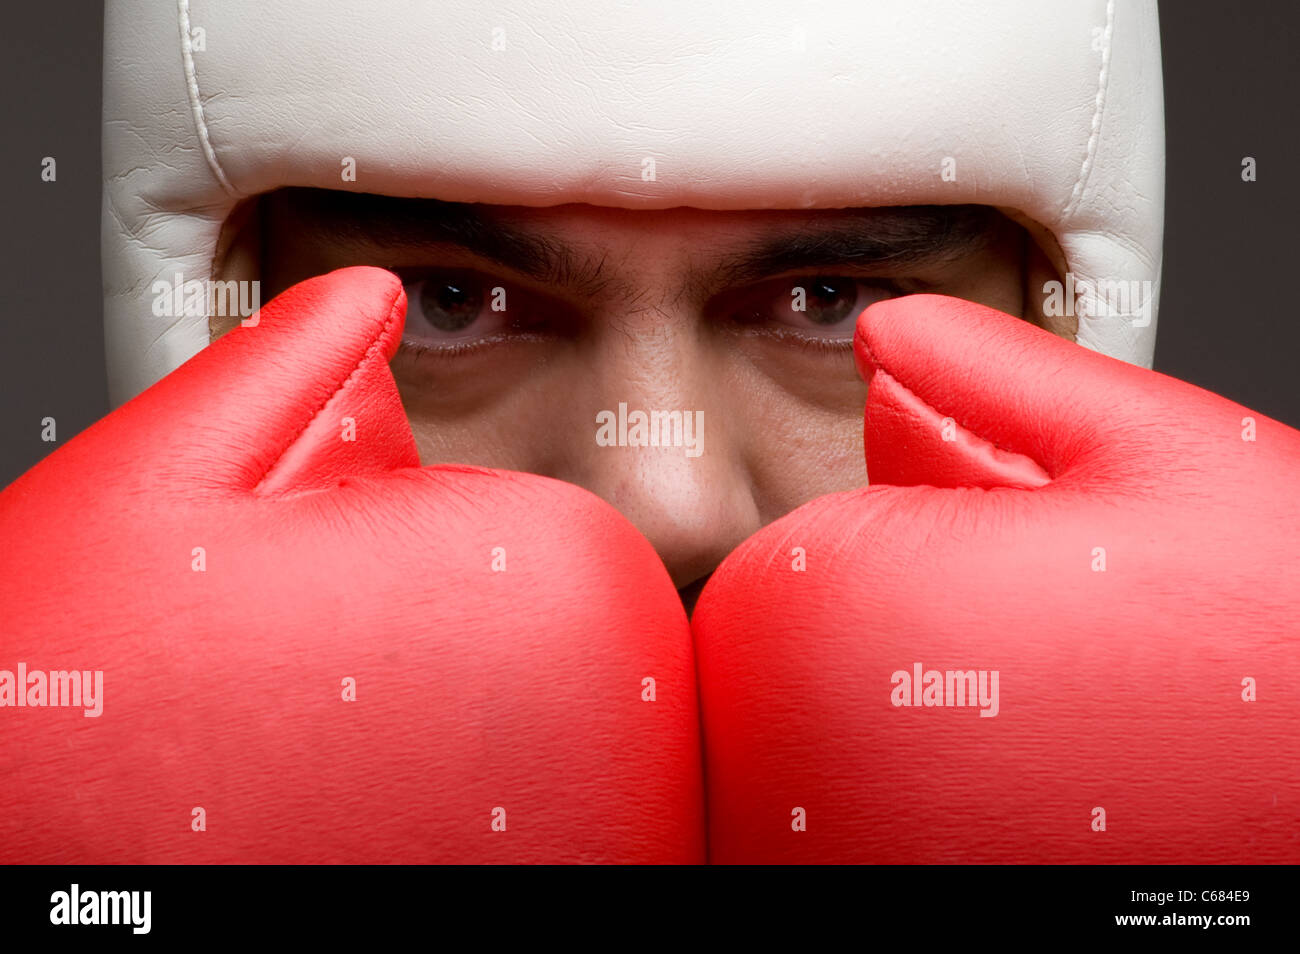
663,449
690,510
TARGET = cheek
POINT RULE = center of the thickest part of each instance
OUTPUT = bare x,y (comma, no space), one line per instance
510,407
804,442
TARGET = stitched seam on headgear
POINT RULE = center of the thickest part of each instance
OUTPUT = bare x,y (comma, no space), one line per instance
1099,106
393,315
196,103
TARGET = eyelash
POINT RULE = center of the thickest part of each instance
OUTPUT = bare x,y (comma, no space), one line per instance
821,345
456,349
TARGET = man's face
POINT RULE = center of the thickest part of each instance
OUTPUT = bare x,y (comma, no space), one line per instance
529,328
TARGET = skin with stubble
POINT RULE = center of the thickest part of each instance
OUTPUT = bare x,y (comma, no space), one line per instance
525,324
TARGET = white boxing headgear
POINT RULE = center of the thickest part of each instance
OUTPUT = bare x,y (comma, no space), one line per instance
1050,110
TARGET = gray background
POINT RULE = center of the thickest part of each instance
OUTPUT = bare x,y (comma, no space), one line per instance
1227,321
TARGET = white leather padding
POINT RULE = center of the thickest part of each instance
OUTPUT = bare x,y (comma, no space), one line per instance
1052,108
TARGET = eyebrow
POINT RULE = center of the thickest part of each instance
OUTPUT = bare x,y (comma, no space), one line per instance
896,236
899,236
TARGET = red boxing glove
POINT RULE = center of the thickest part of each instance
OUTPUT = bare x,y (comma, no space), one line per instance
1117,547
312,649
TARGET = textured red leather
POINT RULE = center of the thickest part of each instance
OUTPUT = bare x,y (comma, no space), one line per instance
1100,535
484,698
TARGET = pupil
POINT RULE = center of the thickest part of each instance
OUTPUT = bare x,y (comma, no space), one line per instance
449,306
831,301
449,296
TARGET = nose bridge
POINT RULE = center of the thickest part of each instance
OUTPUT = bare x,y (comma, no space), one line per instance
659,414
654,353
661,450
